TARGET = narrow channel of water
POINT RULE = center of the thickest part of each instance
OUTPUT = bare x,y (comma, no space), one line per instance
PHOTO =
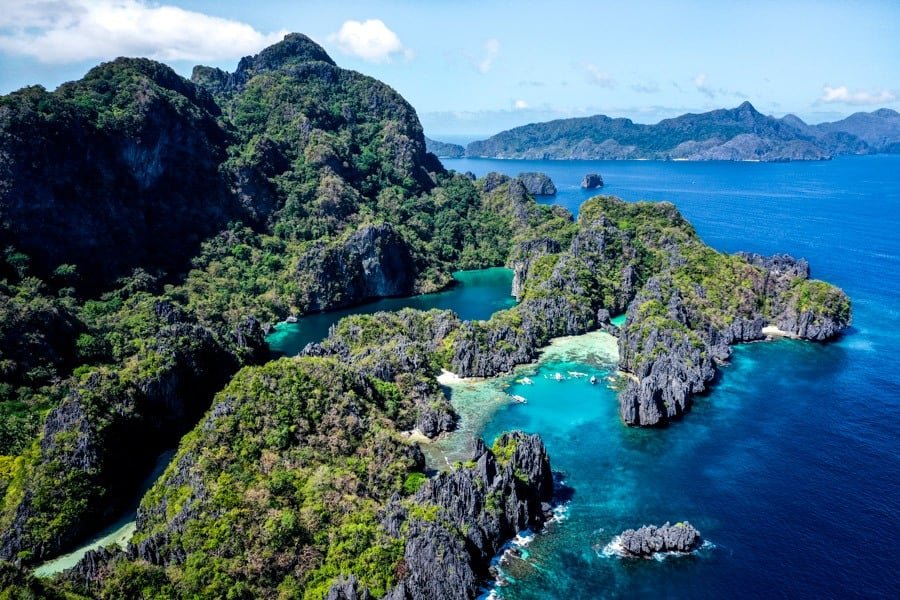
119,532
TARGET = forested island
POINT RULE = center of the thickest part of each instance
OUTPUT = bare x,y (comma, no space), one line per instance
154,229
741,133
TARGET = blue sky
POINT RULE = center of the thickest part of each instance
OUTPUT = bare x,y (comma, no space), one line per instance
476,67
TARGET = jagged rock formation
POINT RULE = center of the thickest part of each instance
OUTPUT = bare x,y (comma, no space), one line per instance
287,186
591,181
96,443
740,133
375,262
476,508
429,538
686,304
648,540
537,184
673,336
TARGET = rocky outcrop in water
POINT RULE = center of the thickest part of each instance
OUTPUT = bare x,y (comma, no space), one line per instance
537,184
591,181
477,508
673,337
648,540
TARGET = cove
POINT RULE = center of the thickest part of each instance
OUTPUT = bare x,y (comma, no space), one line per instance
790,466
477,294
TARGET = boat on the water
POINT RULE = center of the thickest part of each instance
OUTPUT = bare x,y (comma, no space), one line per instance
519,399
558,377
593,379
291,319
525,381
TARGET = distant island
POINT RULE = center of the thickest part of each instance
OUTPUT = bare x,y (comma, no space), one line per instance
444,149
741,133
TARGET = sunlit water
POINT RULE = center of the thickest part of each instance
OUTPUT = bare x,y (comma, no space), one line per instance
477,295
791,466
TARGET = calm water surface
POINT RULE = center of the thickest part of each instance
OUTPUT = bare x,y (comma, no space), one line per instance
791,466
476,295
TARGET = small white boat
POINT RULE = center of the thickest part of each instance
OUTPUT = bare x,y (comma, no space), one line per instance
291,319
519,399
525,381
577,374
558,377
593,379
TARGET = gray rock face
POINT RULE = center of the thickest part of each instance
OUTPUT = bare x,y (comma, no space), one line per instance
487,349
347,589
106,430
479,508
591,181
374,262
528,252
537,184
672,356
648,540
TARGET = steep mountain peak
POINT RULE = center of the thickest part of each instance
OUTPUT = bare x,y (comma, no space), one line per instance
745,106
293,49
886,113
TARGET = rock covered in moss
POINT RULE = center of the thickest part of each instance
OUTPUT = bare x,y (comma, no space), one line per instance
374,262
537,184
469,513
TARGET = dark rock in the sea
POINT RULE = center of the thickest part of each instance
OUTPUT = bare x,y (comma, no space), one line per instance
480,506
648,540
591,181
537,184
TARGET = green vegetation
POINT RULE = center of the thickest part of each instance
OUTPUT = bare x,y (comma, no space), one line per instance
820,298
281,484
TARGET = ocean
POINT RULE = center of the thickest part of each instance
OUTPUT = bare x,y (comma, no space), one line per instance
790,467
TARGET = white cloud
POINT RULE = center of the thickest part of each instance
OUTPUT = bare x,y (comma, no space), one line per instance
370,40
491,52
598,76
860,97
700,84
520,105
68,31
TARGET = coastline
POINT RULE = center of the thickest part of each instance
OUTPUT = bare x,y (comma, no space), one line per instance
476,400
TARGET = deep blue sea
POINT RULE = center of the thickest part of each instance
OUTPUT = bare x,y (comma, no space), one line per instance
791,466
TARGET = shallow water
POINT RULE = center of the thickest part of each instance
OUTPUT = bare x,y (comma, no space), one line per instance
118,533
791,466
477,295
